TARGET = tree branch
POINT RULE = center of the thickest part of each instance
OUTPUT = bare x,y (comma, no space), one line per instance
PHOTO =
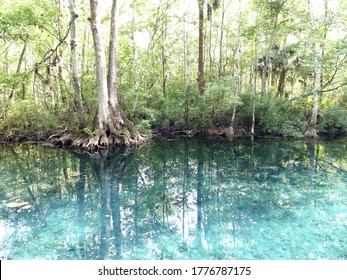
334,88
335,72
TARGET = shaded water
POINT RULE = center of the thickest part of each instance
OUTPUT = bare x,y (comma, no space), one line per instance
176,199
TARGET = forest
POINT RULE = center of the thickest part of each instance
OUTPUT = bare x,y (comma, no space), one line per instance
93,74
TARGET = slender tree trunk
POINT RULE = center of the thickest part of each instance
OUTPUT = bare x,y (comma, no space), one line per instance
62,83
263,77
311,129
48,87
210,44
281,82
254,88
133,60
85,42
201,79
324,38
185,79
74,65
19,65
163,58
221,41
239,73
266,72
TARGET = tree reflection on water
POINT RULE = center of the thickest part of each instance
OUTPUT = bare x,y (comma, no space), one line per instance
177,199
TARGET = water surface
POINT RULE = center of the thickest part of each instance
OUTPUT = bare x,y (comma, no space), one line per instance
176,199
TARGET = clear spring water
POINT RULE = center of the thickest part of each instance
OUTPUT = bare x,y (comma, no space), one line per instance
176,199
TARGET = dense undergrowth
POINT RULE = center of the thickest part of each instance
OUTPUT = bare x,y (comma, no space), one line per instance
179,110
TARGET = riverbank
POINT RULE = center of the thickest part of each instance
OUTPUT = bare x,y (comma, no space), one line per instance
57,139
170,132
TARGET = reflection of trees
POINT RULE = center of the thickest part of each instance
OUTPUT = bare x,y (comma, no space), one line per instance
311,144
184,190
36,177
199,200
80,194
199,182
109,170
170,199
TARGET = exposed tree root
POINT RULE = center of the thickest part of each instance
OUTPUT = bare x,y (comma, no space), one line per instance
109,138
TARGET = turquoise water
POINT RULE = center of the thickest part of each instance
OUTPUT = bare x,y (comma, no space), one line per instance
176,199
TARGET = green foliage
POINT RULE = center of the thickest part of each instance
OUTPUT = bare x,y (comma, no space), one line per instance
278,116
180,107
88,131
90,98
19,19
144,126
68,118
183,108
220,100
333,122
139,108
16,80
244,112
27,118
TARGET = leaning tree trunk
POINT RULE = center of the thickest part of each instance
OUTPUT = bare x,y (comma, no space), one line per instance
20,62
311,129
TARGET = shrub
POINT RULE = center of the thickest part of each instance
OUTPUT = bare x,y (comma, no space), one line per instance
27,118
278,116
333,121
